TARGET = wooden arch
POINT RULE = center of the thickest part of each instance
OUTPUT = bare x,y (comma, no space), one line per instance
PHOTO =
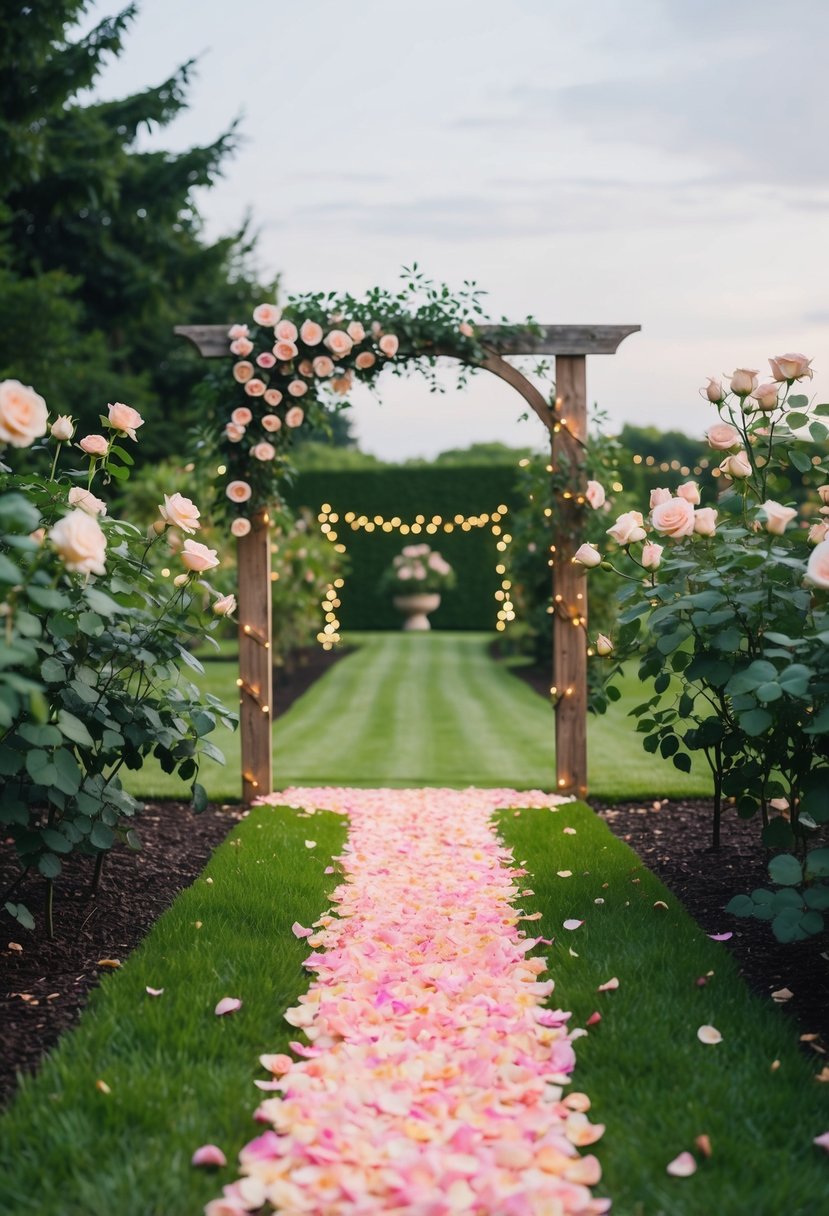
566,420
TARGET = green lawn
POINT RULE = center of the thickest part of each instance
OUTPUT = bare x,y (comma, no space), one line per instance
430,709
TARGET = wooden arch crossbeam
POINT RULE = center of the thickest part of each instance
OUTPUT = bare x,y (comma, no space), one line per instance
566,420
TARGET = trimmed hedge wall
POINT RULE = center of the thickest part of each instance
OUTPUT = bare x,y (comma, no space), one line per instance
444,491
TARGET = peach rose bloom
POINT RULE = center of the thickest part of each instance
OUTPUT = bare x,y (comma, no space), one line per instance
817,571
234,432
94,445
744,381
265,359
736,466
80,542
285,351
652,555
273,396
198,557
673,518
238,491
124,418
305,368
604,646
297,388
240,527
628,528
224,605
823,492
263,451
466,329
180,512
389,345
713,390
266,314
339,343
818,532
242,416
295,416
791,367
365,360
242,371
62,429
255,388
311,333
777,516
323,366
238,331
722,436
241,347
659,495
271,422
689,490
286,331
86,500
23,414
342,384
355,331
705,521
766,397
595,494
587,555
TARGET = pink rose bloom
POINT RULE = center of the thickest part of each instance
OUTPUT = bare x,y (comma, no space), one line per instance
263,451
389,345
242,371
271,422
234,432
241,416
736,466
240,527
295,416
297,388
339,343
628,528
658,496
266,314
595,494
818,532
705,521
791,367
817,571
124,418
62,429
80,542
238,331
587,555
286,331
744,381
355,331
273,396
323,366
180,512
241,347
238,491
224,605
713,390
342,384
94,445
255,388
689,490
651,555
285,351
376,329
766,397
673,518
197,557
722,436
823,492
466,329
777,516
305,368
311,333
265,359
86,500
365,360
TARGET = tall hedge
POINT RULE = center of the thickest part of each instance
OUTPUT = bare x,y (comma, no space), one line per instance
408,492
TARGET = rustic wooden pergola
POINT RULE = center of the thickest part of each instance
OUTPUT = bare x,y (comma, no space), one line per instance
566,420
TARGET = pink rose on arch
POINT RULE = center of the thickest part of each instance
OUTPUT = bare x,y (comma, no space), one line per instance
778,517
673,518
124,418
233,432
238,331
689,490
241,347
242,371
297,388
323,366
265,359
263,451
791,367
722,436
238,491
273,396
652,555
311,333
705,521
339,343
271,422
736,466
355,331
305,368
240,527
266,314
365,360
389,344
197,557
628,528
658,496
255,388
342,384
817,571
286,331
744,381
241,416
285,351
823,494
595,494
94,445
295,416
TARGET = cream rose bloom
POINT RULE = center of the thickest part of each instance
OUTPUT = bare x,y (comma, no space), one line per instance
286,331
198,557
766,397
238,331
23,414
389,344
240,527
241,347
744,381
180,512
674,518
295,416
595,494
818,532
778,517
736,466
587,555
355,331
242,416
323,367
791,367
263,451
242,371
297,388
255,387
234,432
86,500
124,418
339,343
722,436
238,491
628,528
652,555
713,390
94,445
604,646
689,490
224,605
62,429
271,422
817,571
311,333
705,521
266,314
81,543
285,351
273,397
658,495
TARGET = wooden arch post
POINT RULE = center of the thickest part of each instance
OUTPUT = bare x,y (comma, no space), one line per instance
566,420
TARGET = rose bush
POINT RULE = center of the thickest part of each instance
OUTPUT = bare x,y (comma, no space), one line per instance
418,569
93,651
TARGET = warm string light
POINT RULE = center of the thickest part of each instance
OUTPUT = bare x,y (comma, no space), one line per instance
329,635
256,636
250,691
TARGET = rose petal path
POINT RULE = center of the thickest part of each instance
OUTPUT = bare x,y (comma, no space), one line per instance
432,1078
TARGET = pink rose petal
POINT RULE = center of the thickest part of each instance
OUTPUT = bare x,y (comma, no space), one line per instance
564,873
782,995
208,1154
822,1141
277,1064
573,924
228,1004
709,1035
720,937
299,930
609,985
154,991
682,1166
310,844
569,831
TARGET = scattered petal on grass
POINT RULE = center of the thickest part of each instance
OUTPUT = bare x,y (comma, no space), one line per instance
112,963
328,870
209,882
102,1087
569,831
299,930
775,1064
276,1064
682,1166
609,986
661,905
782,995
154,991
573,924
594,1019
228,1004
572,952
531,916
703,1143
565,873
700,981
709,1034
823,1075
208,1154
720,937
822,1141
16,946
197,923
809,1038
268,1086
598,901
310,844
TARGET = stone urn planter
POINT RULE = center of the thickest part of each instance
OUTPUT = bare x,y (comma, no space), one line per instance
416,608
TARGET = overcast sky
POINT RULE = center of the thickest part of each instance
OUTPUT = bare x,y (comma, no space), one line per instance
661,162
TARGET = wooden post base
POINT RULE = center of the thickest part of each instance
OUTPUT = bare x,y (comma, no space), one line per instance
255,658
